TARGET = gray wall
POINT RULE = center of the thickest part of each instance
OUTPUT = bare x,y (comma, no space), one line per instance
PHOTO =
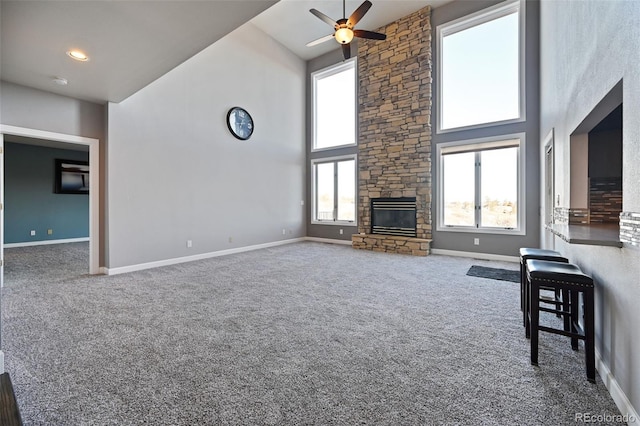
35,109
586,49
494,243
315,230
30,201
177,174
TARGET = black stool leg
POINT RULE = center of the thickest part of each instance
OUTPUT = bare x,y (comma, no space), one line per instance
527,305
574,307
556,296
589,344
566,307
523,305
534,296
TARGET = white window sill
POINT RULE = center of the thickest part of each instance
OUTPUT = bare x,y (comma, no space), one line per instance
474,230
334,222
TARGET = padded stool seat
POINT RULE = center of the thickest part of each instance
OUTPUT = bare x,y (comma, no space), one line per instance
539,254
566,277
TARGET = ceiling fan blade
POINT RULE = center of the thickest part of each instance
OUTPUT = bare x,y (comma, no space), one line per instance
323,17
369,34
320,40
346,50
358,13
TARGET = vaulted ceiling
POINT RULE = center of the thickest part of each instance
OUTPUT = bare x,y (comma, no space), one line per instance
132,43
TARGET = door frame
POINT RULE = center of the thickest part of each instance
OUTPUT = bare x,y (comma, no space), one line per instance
549,189
94,186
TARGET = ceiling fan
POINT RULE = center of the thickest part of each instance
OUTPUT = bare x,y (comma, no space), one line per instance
344,31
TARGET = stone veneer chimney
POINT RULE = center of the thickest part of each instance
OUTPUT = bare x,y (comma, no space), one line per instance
394,147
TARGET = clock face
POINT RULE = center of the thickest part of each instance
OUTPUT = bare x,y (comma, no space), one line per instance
240,123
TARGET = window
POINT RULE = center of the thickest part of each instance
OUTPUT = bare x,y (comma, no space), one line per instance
480,69
482,183
334,190
334,106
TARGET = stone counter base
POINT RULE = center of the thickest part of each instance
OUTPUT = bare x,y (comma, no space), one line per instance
391,244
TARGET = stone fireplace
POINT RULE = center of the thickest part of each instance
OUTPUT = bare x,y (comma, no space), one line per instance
394,147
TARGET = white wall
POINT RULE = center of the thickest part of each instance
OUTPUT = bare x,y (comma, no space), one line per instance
586,48
177,174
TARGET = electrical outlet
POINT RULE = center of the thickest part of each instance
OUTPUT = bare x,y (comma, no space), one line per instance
341,232
49,231
189,243
476,241
33,233
284,231
302,202
230,239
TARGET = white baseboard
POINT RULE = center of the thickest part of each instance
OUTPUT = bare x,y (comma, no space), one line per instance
328,240
616,392
46,242
483,256
174,261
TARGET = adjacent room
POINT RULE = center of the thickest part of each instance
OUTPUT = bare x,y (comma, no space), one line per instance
319,211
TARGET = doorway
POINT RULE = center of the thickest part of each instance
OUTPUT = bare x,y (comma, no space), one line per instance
94,166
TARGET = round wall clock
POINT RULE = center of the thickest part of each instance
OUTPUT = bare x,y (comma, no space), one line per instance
240,123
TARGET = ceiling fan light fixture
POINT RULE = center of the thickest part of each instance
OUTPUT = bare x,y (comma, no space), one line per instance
344,35
78,55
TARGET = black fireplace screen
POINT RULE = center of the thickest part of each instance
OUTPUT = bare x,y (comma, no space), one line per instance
394,216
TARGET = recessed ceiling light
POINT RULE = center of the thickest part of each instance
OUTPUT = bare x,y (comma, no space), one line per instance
78,55
60,81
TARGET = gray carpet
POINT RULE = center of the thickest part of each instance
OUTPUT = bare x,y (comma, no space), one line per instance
306,333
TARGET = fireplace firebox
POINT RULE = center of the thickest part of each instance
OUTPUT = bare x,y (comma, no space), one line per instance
394,216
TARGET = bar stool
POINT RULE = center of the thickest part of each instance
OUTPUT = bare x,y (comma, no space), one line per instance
566,277
539,254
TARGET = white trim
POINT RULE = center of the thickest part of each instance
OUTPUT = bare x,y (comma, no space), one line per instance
94,181
43,134
480,144
334,222
1,362
333,160
477,145
328,240
616,392
46,242
478,18
174,261
327,72
483,256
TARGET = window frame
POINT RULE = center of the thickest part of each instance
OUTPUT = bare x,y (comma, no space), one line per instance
478,145
327,72
470,21
314,187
